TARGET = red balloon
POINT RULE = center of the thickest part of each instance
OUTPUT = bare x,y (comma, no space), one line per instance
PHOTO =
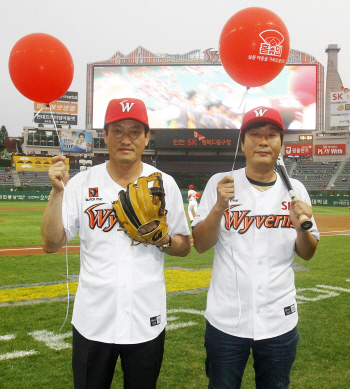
198,195
41,67
301,84
254,46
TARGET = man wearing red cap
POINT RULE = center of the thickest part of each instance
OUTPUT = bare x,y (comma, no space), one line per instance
192,201
248,216
120,304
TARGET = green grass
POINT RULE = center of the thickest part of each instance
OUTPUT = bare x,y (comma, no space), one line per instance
323,210
22,228
323,357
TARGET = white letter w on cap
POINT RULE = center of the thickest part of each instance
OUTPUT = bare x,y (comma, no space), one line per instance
260,112
126,106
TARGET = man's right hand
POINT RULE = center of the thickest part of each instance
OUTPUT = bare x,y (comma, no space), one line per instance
225,191
58,173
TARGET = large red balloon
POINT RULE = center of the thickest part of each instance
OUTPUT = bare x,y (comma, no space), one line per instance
254,46
41,67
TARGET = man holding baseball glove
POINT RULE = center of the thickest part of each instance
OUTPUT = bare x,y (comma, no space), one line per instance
128,214
250,218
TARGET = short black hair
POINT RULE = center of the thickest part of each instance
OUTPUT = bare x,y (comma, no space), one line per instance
82,134
257,125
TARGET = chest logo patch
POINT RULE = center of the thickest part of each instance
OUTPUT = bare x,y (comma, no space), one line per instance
241,221
93,192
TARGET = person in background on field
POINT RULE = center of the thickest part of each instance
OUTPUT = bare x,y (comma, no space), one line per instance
192,202
248,216
120,304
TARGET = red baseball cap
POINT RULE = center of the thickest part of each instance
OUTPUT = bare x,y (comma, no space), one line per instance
191,186
261,115
126,108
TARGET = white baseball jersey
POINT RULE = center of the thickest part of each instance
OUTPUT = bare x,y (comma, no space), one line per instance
252,292
191,195
121,294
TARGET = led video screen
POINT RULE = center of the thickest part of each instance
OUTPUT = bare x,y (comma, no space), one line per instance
204,96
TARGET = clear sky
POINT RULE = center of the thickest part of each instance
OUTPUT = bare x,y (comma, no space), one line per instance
94,30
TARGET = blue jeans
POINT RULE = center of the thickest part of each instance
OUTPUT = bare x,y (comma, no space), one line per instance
227,357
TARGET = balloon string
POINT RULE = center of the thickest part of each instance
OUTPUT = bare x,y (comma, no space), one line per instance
230,231
38,112
67,268
239,134
58,136
67,275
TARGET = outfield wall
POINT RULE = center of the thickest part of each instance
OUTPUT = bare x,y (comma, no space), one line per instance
337,201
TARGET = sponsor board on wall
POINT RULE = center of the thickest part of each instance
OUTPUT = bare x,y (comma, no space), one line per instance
62,111
66,119
57,107
340,120
69,96
298,149
340,108
337,149
76,141
33,163
208,139
340,97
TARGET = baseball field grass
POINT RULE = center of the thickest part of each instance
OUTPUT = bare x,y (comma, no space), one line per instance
35,354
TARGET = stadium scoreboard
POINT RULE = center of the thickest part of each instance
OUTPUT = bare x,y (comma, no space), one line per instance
306,137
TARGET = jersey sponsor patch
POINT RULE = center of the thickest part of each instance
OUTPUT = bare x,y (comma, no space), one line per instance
155,320
289,310
93,192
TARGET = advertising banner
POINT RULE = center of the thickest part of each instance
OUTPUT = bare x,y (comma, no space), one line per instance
340,97
33,163
340,108
334,201
71,108
59,118
69,97
184,139
298,149
330,149
76,141
340,120
24,196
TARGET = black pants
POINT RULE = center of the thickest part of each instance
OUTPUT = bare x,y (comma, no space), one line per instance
94,362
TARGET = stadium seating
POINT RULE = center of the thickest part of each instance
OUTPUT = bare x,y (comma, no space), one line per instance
319,175
28,178
6,177
314,175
